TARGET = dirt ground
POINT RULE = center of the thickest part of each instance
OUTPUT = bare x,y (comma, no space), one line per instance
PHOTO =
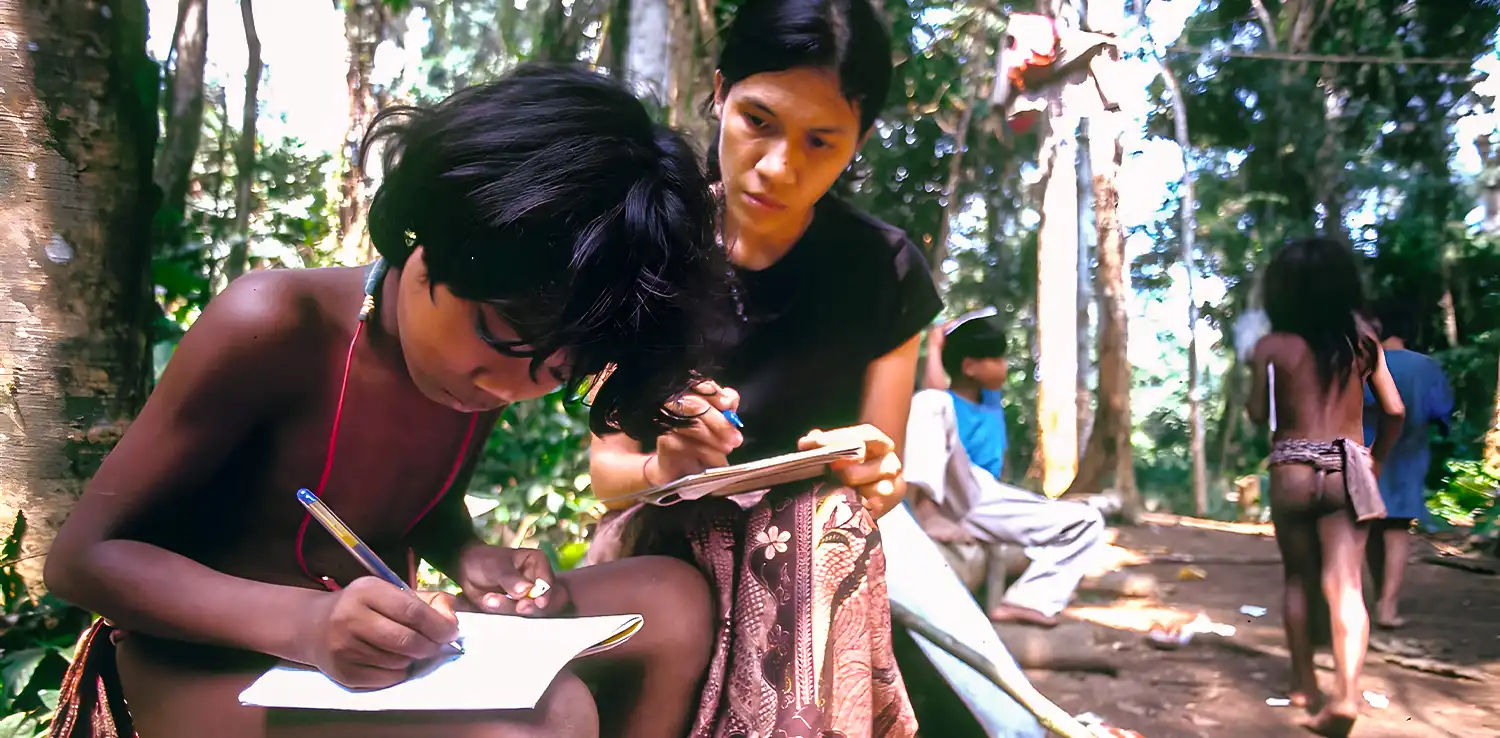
1214,689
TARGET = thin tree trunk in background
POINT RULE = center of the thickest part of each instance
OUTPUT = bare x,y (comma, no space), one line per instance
365,24
1331,185
682,77
557,40
648,50
1087,207
1489,180
244,154
617,39
1188,235
1229,418
75,259
183,121
708,34
1492,437
952,184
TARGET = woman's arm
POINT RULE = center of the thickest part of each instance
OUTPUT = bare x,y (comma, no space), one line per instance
240,364
934,376
889,384
1392,409
618,467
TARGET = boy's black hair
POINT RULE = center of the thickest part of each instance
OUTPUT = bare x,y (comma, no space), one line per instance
1312,288
975,339
551,195
846,36
1397,319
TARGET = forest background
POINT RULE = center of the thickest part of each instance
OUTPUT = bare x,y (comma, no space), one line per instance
156,151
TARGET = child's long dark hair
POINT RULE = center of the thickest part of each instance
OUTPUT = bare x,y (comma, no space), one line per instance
550,195
1312,288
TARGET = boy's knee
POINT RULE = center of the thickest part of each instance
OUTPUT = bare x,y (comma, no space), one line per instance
675,582
679,595
567,709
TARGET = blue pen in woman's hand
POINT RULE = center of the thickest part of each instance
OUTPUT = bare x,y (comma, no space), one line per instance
362,552
733,418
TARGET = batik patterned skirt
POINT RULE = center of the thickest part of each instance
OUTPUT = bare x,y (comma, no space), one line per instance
804,625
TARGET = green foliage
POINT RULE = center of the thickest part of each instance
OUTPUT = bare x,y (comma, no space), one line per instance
1469,498
471,41
534,477
290,224
36,646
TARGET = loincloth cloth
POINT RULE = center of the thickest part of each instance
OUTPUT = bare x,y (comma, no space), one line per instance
1341,456
92,703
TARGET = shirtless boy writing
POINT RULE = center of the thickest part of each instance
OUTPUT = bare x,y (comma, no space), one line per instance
1319,354
532,231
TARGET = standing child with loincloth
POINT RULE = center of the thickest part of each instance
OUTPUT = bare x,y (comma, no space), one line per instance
1310,373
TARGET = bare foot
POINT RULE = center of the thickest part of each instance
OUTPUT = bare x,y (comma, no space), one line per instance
1306,699
1334,720
1386,617
1007,613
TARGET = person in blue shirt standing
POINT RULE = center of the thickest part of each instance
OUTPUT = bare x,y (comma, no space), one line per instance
1429,401
955,459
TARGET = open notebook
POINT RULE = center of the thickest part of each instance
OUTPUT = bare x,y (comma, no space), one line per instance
726,481
507,664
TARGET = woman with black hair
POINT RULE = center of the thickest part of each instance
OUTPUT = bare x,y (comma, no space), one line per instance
531,231
829,305
1310,373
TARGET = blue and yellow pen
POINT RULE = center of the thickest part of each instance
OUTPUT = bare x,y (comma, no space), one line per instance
338,530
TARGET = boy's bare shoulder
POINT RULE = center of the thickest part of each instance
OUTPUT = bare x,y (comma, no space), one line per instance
264,327
281,308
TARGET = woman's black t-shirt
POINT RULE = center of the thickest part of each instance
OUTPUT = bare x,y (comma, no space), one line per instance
851,290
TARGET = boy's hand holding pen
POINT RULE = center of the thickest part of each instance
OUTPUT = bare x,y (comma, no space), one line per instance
371,632
370,635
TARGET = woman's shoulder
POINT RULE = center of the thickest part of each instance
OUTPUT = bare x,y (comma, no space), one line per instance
861,235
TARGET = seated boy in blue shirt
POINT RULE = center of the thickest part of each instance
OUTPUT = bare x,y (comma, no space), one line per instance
955,458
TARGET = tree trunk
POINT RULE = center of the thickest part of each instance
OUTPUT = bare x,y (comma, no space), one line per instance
1492,437
1229,416
184,121
648,49
1057,287
244,152
78,133
616,40
1108,451
683,77
1087,205
365,25
1490,184
556,39
1188,235
1057,305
